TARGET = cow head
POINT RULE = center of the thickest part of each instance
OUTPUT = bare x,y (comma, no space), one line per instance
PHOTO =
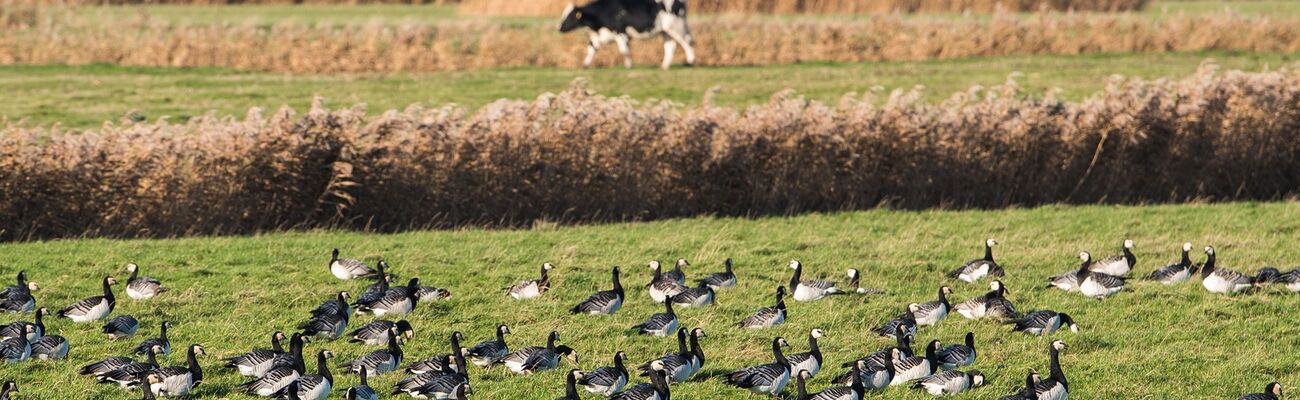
572,19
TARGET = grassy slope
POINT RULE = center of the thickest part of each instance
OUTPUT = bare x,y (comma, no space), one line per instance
1150,342
85,96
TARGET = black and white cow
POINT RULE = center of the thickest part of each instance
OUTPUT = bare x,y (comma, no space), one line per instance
622,20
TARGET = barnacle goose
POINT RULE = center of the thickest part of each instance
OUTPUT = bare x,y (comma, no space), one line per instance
571,385
327,326
991,304
336,305
536,359
120,327
1291,280
680,366
1055,387
855,283
931,313
1219,280
1271,392
1045,322
160,341
606,381
30,330
374,291
660,324
16,349
361,391
488,352
1117,265
603,302
180,380
50,347
854,391
950,382
92,308
9,389
720,280
767,317
439,364
431,294
767,379
1266,276
18,297
397,301
380,362
657,389
977,269
809,289
439,385
133,374
1176,272
698,296
676,274
903,343
142,287
313,387
1098,285
348,268
532,288
874,377
903,324
908,369
1068,281
283,370
105,366
958,355
1026,392
257,362
810,361
662,286
375,333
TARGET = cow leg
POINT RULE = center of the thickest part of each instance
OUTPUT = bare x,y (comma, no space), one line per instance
683,38
624,49
670,46
593,44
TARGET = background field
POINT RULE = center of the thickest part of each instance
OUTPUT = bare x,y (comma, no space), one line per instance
1149,342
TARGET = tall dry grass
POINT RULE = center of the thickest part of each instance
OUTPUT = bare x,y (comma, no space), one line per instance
577,156
464,45
541,8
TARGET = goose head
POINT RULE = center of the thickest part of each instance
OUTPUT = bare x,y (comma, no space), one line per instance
998,286
794,264
990,242
780,341
548,266
110,280
1187,246
31,286
698,332
657,365
780,292
817,333
503,329
1059,345
1128,244
405,328
132,267
568,353
277,336
894,354
1209,250
655,265
198,350
852,273
344,296
976,378
805,375
1274,389
681,262
1085,256
945,291
621,356
42,312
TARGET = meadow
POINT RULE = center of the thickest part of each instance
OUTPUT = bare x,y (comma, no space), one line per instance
1148,342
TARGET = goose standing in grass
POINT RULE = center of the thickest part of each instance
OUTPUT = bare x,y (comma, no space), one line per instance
1027,392
50,347
873,377
571,385
930,313
161,341
377,290
698,296
1176,272
142,287
346,269
257,362
488,352
657,389
133,374
375,333
809,289
398,301
1117,265
30,330
908,369
379,362
121,326
991,304
1219,280
979,268
1098,285
1271,392
604,302
904,324
179,381
767,379
661,285
855,283
336,305
950,382
532,288
362,391
660,324
18,298
957,355
855,390
313,387
438,386
606,381
686,362
718,280
1045,322
810,361
327,326
767,317
283,370
16,349
92,308
9,389
1055,387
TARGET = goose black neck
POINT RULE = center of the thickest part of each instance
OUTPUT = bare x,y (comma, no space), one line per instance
668,305
134,273
1029,382
275,344
696,349
794,279
334,256
1084,269
1208,269
803,387
550,341
727,264
323,368
901,338
501,334
162,331
108,294
943,297
152,358
681,341
970,340
1057,373
544,274
571,388
1187,259
657,379
618,364
780,305
856,382
1129,257
413,291
40,321
458,354
295,347
22,283
364,381
148,393
932,356
988,252
618,286
196,371
776,353
814,348
396,349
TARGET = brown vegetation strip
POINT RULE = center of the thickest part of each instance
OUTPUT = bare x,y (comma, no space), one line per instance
542,8
579,157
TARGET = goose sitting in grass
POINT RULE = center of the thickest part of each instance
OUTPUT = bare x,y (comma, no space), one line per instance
660,324
606,381
903,343
336,305
903,324
92,308
657,389
767,317
855,283
950,382
532,288
142,287
180,380
1291,280
374,291
432,294
810,289
698,296
1176,272
957,355
488,352
1045,322
328,326
439,364
1219,280
345,269
397,301
1272,391
662,286
379,362
688,360
1055,387
361,391
160,341
29,330
992,304
1119,264
677,274
439,385
604,302
873,377
375,333
18,297
718,280
1069,281
931,313
853,392
283,369
979,268
121,326
812,360
133,374
105,366
1027,392
16,349
908,369
536,359
257,362
768,379
313,387
1098,285
50,347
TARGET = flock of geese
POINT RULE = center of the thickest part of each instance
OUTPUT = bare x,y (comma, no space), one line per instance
282,373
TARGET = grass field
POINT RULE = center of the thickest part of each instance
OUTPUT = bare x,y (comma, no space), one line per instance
86,96
1150,342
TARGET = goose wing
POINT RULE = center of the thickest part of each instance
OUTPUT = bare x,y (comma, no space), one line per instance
1232,276
105,365
84,307
642,391
816,284
52,345
598,302
955,355
836,393
122,324
432,365
719,279
520,356
271,382
762,317
490,349
541,361
757,376
672,362
371,360
145,285
1112,281
1002,308
374,330
603,376
355,267
657,322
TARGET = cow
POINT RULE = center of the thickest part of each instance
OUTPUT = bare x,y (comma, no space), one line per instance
621,21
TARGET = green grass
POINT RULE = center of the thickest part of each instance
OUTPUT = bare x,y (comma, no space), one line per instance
85,96
1149,342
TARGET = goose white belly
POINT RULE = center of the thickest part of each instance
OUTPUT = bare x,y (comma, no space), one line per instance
811,365
935,315
1216,284
1051,326
974,274
98,312
28,306
173,386
401,308
608,391
339,271
320,392
1293,286
774,321
1091,288
1116,268
670,328
916,372
612,307
973,309
805,293
775,386
526,291
1057,392
877,380
137,294
681,373
1178,277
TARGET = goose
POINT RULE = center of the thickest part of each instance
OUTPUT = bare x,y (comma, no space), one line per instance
809,289
873,377
438,386
105,366
532,288
1176,272
161,341
1027,392
361,391
439,364
657,389
9,389
546,358
432,294
698,296
1291,280
994,304
1117,265
662,286
516,360
50,347
571,385
121,326
908,369
604,302
979,268
282,371
1219,280
133,374
810,361
149,380
328,326
18,298
375,333
313,387
346,269
880,358
377,290
395,302
1266,276
142,287
380,362
855,390
1045,322
606,381
680,366
950,382
904,324
767,317
336,305
489,351
92,308
31,331
720,280
931,313
676,274
1272,391
767,379
257,362
1069,281
659,324
179,381
1055,387
855,283
16,349
958,355
1098,285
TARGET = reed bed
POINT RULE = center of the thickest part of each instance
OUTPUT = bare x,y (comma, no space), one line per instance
542,8
449,46
580,157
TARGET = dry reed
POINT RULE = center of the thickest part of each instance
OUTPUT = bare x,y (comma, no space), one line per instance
541,8
577,157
